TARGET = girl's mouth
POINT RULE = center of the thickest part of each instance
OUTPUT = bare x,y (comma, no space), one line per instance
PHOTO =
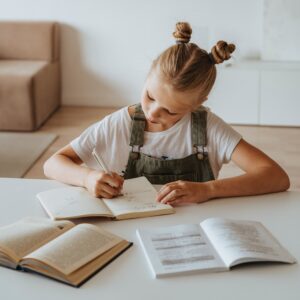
152,121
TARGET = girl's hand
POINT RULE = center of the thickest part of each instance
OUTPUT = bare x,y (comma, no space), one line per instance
101,184
183,192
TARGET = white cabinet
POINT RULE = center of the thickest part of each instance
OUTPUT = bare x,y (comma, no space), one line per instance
280,98
253,92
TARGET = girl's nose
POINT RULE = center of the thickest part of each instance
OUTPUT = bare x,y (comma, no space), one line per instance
154,115
154,112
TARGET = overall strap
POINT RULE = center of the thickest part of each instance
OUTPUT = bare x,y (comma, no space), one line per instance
138,127
199,137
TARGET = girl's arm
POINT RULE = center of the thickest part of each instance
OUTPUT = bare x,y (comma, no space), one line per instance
262,175
65,166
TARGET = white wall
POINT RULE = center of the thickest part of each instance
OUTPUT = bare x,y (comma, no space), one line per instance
281,30
108,46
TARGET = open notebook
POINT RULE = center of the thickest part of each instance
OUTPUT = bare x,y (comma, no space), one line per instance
137,200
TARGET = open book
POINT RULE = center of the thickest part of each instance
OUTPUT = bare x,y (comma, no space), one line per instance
137,200
58,249
215,244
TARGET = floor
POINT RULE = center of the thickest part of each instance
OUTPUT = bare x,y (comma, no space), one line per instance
280,143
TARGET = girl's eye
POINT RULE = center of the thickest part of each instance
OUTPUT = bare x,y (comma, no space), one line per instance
171,114
151,99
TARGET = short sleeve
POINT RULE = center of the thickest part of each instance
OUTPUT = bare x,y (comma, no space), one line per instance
91,137
109,137
222,140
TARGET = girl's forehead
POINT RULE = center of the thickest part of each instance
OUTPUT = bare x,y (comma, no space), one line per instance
162,91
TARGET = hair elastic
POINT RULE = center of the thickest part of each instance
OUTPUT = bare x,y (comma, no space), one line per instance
211,57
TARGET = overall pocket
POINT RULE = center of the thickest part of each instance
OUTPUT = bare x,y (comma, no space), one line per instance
166,178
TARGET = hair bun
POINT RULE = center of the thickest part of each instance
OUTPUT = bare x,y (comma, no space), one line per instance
183,32
221,51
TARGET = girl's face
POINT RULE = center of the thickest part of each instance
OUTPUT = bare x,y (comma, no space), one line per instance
163,106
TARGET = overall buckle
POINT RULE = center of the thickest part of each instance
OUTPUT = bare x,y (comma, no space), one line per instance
135,151
201,151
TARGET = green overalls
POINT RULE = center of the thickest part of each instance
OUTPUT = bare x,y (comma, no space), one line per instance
195,167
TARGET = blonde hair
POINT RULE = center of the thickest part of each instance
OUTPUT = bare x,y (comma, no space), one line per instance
186,66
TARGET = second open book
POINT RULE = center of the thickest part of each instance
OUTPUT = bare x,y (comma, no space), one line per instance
213,245
137,200
58,249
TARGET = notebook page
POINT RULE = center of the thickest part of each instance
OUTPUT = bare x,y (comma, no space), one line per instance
72,202
138,195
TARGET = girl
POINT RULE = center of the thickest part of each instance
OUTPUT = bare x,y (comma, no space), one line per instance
170,137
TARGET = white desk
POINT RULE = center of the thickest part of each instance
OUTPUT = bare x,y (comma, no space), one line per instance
129,277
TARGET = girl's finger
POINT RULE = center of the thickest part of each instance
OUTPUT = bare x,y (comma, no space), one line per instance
164,192
108,189
102,194
165,186
112,180
172,196
178,200
119,178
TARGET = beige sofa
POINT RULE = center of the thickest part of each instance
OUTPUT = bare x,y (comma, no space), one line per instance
29,74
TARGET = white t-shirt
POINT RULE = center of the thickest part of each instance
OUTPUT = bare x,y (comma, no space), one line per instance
111,138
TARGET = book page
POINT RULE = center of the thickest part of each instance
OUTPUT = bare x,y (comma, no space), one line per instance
26,235
75,248
178,249
244,241
72,202
138,195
